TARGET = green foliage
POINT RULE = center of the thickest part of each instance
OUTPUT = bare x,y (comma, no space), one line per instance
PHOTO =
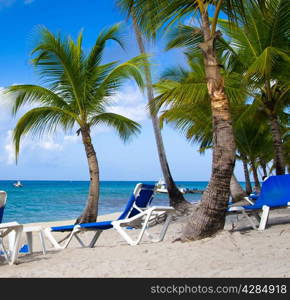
76,87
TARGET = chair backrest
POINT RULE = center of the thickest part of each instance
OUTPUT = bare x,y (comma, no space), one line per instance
140,198
3,198
275,191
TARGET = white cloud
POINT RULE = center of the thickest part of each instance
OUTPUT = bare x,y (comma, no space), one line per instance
8,3
131,103
5,104
9,149
48,143
72,138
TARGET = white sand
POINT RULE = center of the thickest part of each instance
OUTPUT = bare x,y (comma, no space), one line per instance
243,253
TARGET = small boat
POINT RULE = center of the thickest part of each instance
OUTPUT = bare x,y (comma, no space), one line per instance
162,188
18,184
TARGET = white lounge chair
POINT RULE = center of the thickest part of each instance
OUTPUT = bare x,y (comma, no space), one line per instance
137,214
6,229
275,194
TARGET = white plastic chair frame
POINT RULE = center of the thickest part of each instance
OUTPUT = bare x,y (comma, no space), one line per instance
262,220
144,216
11,254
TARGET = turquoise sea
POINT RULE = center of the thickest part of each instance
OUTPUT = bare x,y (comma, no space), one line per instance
42,201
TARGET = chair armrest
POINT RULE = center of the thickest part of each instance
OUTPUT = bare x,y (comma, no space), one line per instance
235,208
248,199
144,213
10,225
162,208
6,228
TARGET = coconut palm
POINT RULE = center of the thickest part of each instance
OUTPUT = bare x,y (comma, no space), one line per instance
209,217
252,138
176,198
254,143
262,47
75,95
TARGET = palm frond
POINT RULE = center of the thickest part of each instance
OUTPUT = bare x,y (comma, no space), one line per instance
124,71
124,126
95,55
59,63
266,62
38,121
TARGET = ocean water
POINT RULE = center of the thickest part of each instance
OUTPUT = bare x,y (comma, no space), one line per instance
42,201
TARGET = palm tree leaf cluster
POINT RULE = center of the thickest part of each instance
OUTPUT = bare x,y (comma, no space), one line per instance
76,88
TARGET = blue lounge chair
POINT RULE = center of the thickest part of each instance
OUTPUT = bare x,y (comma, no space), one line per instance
7,229
137,214
275,193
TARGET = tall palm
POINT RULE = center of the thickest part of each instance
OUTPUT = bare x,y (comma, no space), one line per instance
75,95
188,109
262,47
176,198
254,142
210,214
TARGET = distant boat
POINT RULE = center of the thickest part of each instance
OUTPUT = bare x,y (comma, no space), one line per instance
18,184
162,188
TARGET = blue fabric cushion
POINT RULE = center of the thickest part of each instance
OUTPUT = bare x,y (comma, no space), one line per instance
95,225
254,197
1,213
275,192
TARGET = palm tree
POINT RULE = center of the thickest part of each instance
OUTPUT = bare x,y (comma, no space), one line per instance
209,217
262,47
196,122
76,92
176,198
254,142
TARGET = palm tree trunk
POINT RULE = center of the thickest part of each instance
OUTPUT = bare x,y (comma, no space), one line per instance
264,168
176,198
208,217
90,212
247,177
256,177
277,143
237,192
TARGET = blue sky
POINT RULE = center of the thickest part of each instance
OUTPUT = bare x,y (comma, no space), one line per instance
62,157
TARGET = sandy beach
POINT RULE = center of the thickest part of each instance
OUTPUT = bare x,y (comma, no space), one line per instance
243,252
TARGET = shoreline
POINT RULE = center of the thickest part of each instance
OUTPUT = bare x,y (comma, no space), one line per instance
243,252
103,217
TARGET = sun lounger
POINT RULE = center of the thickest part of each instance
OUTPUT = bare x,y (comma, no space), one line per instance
6,229
275,194
137,214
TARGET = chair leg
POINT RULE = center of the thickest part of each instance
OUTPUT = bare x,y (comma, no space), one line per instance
264,217
165,227
74,233
250,219
163,231
95,238
29,241
124,235
15,251
78,239
50,237
5,253
41,236
144,228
